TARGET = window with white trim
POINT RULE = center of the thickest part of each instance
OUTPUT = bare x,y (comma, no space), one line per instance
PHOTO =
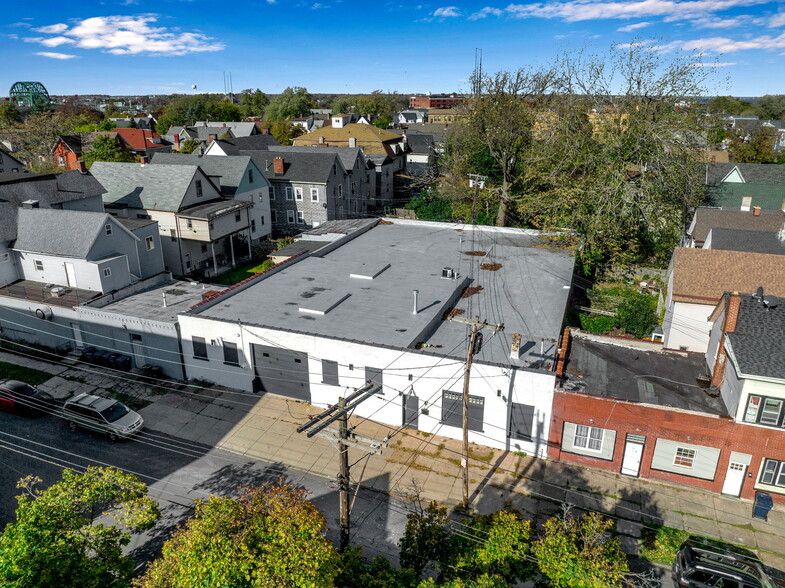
288,192
684,457
587,437
39,265
298,193
300,217
290,216
272,193
149,243
315,194
773,472
765,411
107,272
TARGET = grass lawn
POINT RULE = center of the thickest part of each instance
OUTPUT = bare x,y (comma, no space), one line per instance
240,273
661,544
9,371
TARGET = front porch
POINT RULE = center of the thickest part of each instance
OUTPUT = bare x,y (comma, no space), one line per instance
224,254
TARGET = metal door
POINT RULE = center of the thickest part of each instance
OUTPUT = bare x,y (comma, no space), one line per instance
281,371
70,274
411,410
138,347
734,478
633,453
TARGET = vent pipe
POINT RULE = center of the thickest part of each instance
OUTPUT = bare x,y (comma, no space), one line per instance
164,295
416,294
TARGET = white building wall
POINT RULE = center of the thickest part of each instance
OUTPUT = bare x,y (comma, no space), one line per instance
430,376
687,326
87,274
8,272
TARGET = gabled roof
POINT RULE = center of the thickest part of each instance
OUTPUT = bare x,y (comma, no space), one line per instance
140,139
752,173
75,234
702,276
239,129
73,143
250,143
9,156
231,169
749,241
348,155
48,189
731,195
299,167
154,187
707,219
420,143
758,342
374,139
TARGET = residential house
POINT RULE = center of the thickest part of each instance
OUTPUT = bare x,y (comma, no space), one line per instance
387,150
371,311
200,231
641,411
741,186
139,122
141,142
68,149
772,242
9,163
236,145
410,117
237,129
310,123
308,189
436,101
421,158
706,219
446,116
697,279
239,179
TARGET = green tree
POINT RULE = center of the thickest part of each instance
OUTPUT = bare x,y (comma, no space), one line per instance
57,539
342,104
9,115
186,110
377,103
575,553
637,314
383,122
189,146
267,536
771,107
106,148
253,103
726,105
37,137
291,103
354,571
285,131
754,146
425,541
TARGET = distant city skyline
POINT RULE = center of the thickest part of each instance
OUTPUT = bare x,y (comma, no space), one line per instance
137,47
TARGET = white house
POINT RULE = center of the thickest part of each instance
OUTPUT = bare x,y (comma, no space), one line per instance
374,307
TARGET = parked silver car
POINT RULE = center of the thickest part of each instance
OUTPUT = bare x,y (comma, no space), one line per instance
104,415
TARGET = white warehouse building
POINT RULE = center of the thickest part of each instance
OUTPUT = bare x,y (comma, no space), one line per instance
374,306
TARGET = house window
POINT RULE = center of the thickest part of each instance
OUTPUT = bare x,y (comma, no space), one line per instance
274,216
354,187
198,188
253,226
684,457
107,272
261,220
149,243
231,356
272,193
250,176
330,372
765,411
288,192
315,194
204,247
108,229
773,472
340,193
61,161
189,224
200,347
237,216
261,197
300,217
173,234
39,265
452,410
770,412
143,216
290,216
587,437
298,193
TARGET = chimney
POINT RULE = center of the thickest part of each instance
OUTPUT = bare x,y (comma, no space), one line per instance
515,348
80,165
756,210
143,160
223,125
352,141
321,142
30,204
177,142
416,296
732,305
713,160
212,137
278,166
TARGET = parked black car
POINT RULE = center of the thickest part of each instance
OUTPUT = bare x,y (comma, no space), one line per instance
24,399
708,564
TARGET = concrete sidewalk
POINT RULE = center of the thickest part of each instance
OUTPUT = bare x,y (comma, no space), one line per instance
264,427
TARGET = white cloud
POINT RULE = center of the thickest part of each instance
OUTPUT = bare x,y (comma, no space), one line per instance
125,35
55,55
447,12
634,27
726,45
778,20
488,10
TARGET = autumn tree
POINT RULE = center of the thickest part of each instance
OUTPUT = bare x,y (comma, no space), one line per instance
9,115
268,536
36,138
106,148
72,533
580,553
291,103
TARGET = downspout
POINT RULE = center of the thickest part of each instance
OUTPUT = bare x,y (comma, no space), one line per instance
179,241
250,236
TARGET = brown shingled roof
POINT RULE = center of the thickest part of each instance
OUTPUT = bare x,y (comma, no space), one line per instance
702,276
372,139
707,219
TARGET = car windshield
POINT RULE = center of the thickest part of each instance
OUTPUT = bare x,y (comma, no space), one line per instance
117,411
24,390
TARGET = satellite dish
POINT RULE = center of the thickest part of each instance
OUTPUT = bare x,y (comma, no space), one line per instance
771,302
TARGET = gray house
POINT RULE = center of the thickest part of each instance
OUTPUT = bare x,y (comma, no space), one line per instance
9,163
200,230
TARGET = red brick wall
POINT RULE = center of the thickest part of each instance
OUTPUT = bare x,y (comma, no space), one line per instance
69,157
623,417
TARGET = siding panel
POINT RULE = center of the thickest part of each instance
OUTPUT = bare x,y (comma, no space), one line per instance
705,465
608,443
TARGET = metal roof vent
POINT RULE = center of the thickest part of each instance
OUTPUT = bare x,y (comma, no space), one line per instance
771,302
448,273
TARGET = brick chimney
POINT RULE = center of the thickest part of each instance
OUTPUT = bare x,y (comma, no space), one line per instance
212,137
756,210
278,166
732,306
177,142
80,165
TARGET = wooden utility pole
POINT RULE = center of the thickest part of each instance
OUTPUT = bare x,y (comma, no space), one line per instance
345,438
476,326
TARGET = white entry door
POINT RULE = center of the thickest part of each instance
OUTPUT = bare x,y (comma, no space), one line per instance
734,478
70,274
631,464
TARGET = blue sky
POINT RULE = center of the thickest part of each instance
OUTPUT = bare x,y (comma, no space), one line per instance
343,46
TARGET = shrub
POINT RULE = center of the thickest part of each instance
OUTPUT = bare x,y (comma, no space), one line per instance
596,323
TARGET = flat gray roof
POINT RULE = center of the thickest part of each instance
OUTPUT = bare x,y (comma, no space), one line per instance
180,296
361,289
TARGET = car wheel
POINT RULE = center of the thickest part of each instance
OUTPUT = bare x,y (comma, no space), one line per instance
112,437
72,425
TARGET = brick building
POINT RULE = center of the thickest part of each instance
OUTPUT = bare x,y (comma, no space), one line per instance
436,101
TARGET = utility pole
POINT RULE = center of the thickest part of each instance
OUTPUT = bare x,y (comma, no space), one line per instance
477,325
345,438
